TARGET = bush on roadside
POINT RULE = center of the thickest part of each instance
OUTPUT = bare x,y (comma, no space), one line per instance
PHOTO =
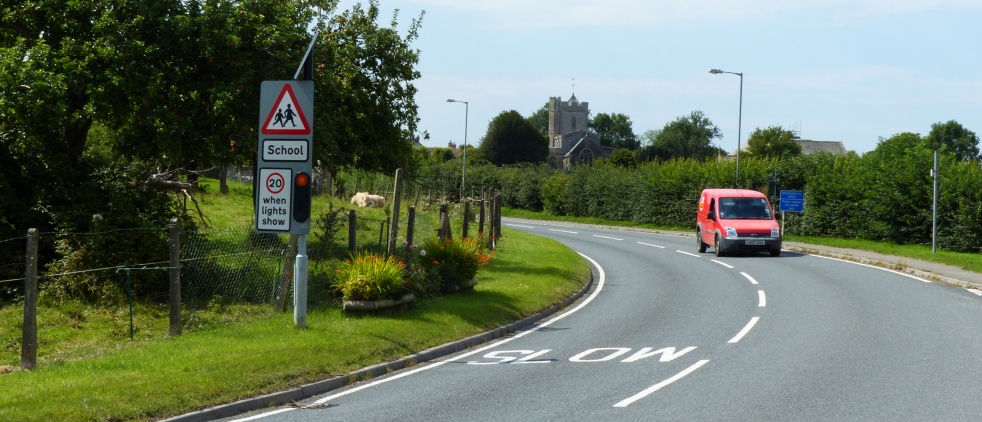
457,261
370,277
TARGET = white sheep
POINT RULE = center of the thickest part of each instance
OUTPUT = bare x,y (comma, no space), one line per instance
360,199
375,201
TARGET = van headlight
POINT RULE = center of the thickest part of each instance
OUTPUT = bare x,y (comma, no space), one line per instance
776,232
731,232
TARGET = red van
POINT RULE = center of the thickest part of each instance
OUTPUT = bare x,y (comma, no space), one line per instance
735,220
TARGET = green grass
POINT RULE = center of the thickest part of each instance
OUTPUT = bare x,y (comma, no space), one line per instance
90,370
966,261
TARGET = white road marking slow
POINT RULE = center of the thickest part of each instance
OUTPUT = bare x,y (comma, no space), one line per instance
686,253
752,281
627,402
745,330
762,300
600,285
722,263
606,237
648,244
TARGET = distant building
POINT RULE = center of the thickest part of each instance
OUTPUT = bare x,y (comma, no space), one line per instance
570,141
832,147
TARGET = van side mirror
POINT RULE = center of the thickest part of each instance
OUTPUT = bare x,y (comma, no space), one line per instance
711,215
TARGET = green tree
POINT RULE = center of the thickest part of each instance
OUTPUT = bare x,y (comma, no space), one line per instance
953,137
365,99
512,139
615,131
622,157
540,119
774,142
687,137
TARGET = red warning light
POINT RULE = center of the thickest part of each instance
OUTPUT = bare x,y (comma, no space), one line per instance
302,179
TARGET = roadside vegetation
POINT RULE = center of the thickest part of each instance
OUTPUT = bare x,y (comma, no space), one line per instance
90,370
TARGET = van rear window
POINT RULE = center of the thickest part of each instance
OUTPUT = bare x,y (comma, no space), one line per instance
744,208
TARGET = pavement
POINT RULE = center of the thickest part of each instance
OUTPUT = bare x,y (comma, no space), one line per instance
933,271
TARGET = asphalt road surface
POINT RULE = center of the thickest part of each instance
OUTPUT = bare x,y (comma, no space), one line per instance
668,334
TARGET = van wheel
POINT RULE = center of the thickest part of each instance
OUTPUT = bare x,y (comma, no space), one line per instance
700,245
719,250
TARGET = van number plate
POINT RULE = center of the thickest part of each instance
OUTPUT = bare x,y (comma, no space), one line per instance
755,242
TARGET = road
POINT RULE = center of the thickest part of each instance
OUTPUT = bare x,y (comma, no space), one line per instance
669,334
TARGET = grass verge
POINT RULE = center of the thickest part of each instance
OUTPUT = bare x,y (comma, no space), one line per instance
90,370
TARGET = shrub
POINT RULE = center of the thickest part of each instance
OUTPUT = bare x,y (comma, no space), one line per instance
456,261
370,277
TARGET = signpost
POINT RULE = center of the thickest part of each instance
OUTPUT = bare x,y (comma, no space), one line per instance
793,201
285,166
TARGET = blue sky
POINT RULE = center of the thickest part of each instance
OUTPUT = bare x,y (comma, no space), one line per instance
836,70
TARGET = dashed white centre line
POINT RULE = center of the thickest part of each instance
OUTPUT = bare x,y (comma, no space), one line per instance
627,402
762,300
722,263
563,231
752,281
686,253
606,237
519,225
648,244
745,330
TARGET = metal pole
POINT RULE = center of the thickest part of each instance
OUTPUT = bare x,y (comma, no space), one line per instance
300,283
739,131
463,175
934,208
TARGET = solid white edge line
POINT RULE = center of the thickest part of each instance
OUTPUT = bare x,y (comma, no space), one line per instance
748,277
648,244
722,263
520,225
563,231
686,253
606,237
762,302
977,292
626,402
745,330
874,266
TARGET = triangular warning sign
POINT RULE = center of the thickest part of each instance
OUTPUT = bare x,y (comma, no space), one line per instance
286,117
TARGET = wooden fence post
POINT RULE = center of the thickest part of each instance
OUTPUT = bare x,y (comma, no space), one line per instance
394,225
352,231
467,218
174,272
482,218
29,345
497,215
442,225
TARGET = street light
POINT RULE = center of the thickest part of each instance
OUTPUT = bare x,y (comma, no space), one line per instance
739,121
463,175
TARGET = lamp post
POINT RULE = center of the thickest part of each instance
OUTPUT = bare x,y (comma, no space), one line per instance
463,150
739,120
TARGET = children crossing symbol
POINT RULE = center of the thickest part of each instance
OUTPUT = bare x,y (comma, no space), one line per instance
280,119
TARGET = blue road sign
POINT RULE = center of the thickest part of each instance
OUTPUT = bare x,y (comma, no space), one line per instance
792,200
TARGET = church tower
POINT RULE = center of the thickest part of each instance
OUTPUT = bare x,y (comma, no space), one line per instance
566,116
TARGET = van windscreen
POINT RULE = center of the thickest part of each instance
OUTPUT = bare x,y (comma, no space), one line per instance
744,208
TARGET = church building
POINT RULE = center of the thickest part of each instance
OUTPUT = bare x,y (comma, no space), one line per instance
570,140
